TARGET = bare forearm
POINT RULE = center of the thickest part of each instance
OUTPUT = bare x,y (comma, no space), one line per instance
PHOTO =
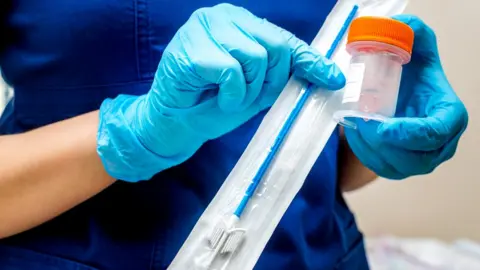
48,171
352,173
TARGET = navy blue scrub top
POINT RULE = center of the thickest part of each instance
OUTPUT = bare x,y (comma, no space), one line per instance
63,57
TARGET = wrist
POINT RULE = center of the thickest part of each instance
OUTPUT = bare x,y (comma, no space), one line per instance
135,142
353,174
123,155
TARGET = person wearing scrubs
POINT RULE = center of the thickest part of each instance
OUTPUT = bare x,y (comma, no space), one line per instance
128,115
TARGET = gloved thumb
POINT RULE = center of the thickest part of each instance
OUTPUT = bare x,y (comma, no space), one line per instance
425,44
309,64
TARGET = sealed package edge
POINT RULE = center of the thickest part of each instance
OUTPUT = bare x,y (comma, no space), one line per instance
236,226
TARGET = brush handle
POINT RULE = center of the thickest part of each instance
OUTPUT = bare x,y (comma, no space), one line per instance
300,101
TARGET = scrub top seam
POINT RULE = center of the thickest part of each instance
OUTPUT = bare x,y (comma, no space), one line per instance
149,39
152,256
137,56
143,35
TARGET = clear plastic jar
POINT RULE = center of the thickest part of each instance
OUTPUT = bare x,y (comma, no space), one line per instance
379,48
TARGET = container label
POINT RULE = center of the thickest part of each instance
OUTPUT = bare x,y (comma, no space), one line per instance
353,87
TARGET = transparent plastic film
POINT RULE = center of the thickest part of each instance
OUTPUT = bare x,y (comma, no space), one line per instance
239,221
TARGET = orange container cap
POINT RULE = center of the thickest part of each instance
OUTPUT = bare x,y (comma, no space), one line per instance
383,30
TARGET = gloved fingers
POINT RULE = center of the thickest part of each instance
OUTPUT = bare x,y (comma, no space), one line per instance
287,54
408,162
367,153
399,160
449,149
425,44
251,55
396,162
279,59
444,121
175,95
309,64
232,86
306,62
212,62
412,162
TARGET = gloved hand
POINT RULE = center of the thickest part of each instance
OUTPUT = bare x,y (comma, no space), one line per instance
429,121
222,68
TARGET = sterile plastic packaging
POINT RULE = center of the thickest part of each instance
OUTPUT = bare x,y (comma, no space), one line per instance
379,47
236,226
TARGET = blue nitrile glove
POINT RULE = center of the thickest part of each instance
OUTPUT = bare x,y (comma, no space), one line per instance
429,121
222,67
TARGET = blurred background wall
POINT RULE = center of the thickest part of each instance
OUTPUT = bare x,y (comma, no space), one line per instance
445,204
